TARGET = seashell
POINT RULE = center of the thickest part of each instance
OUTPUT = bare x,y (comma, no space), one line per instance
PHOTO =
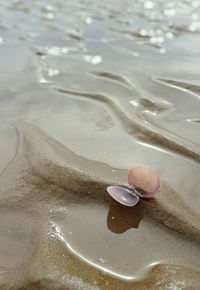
123,195
143,180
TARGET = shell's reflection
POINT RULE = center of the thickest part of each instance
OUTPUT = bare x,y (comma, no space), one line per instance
122,218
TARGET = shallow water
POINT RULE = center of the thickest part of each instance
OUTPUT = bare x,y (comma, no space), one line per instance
117,84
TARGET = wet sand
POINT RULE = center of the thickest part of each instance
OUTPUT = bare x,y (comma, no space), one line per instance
88,90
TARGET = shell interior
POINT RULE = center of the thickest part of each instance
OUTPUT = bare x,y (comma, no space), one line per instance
123,195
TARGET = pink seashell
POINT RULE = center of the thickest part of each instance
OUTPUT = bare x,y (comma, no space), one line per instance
144,180
123,195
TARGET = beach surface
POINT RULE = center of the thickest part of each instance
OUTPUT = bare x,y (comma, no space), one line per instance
88,89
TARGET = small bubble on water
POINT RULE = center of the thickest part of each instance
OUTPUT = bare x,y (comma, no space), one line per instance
64,49
136,54
194,26
195,4
148,5
162,50
170,12
96,59
143,32
49,8
49,16
169,35
88,20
